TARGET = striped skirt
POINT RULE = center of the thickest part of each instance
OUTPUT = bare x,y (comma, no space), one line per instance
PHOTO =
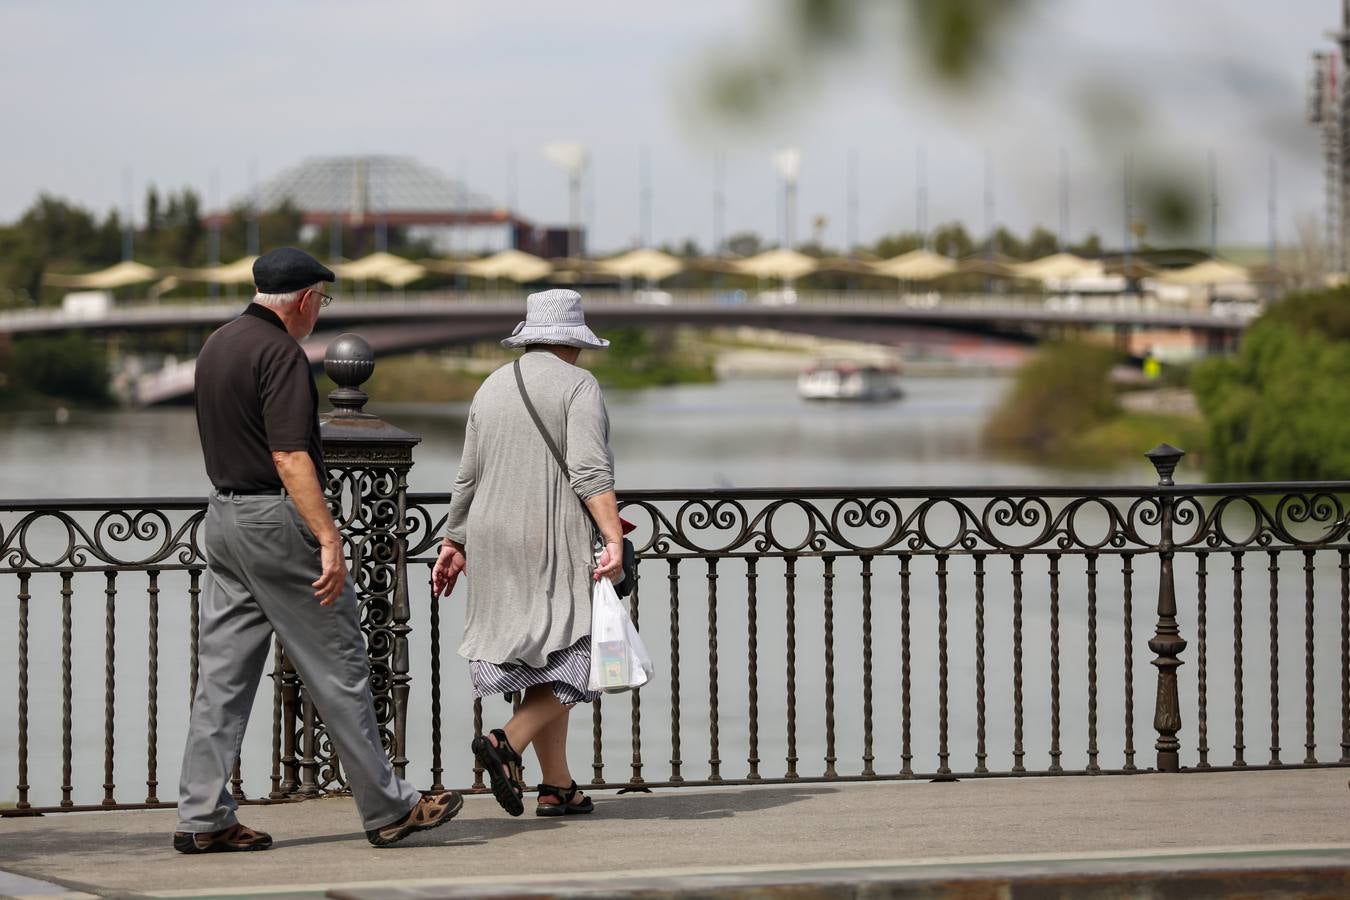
567,670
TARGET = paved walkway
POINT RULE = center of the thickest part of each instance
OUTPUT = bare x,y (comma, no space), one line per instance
791,828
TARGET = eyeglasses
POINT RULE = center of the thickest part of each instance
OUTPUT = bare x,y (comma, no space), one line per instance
324,299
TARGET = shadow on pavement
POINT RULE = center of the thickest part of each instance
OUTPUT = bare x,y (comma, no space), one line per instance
721,805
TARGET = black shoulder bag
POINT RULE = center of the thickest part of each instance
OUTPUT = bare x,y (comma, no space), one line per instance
625,587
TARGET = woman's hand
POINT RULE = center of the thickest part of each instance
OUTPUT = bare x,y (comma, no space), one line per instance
610,563
449,565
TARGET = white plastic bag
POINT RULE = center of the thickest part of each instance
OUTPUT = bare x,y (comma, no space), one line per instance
619,659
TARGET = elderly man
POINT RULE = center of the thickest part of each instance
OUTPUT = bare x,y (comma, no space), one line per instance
275,564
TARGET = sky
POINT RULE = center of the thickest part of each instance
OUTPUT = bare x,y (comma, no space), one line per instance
99,96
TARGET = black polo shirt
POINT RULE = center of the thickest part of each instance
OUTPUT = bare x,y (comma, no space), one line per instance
254,395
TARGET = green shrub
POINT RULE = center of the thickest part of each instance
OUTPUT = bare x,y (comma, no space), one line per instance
70,368
1056,397
1280,409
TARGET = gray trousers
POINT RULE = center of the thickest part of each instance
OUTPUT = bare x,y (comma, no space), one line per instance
261,560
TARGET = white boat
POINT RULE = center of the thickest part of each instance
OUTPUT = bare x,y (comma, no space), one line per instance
848,381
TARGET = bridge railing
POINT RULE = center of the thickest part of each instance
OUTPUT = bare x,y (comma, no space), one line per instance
807,634
212,310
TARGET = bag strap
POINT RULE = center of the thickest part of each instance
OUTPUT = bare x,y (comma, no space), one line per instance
552,446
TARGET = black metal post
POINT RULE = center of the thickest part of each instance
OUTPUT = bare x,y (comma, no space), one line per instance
1166,642
368,460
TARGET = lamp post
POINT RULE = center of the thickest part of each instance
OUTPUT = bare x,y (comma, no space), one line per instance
572,158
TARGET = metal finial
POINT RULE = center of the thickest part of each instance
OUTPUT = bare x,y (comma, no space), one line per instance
349,361
1165,458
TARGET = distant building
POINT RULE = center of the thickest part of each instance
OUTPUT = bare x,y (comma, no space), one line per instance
371,192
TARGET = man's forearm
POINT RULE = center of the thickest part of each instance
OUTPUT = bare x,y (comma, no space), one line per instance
302,483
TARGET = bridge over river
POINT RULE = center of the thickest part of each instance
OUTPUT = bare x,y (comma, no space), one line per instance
858,688
397,323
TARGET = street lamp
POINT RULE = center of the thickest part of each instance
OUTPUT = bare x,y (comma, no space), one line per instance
572,158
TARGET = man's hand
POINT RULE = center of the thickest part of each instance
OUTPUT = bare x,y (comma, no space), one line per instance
330,583
449,565
610,563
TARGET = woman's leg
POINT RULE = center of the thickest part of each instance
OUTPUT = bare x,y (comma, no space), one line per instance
538,709
550,745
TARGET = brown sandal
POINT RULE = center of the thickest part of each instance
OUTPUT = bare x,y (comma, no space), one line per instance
228,840
432,811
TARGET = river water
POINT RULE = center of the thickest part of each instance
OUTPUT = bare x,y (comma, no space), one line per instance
746,433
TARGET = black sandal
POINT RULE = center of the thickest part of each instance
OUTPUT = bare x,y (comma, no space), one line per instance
505,785
564,806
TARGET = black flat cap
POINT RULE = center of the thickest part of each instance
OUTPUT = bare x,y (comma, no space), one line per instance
287,269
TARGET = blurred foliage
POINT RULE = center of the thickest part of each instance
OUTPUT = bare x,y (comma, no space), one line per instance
54,235
953,41
1061,392
640,357
1062,408
70,368
1279,410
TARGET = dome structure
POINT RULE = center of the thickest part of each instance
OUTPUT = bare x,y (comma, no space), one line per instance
397,188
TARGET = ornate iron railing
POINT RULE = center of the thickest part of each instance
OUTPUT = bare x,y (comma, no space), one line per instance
851,633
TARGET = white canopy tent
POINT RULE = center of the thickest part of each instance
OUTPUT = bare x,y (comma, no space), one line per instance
649,265
513,265
916,265
386,268
124,274
789,265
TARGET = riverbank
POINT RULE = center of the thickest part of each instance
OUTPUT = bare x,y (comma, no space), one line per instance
1075,406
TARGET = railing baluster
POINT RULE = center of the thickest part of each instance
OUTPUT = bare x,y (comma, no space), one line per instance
1310,741
1202,676
1055,752
1345,656
1238,746
309,764
1274,658
194,632
478,770
1092,764
1019,753
752,631
675,761
67,691
597,743
829,669
944,755
437,770
981,751
790,586
237,782
906,750
1127,576
867,664
291,712
276,792
109,684
152,693
22,787
714,758
635,706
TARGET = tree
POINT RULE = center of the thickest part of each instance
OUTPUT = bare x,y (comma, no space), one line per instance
1005,242
1042,242
1091,246
1278,410
952,240
895,244
746,243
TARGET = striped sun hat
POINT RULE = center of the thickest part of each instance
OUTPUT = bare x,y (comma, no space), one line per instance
555,317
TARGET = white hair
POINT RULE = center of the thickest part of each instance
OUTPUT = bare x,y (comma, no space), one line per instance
283,301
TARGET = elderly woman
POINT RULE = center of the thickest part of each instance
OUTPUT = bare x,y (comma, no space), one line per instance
529,530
